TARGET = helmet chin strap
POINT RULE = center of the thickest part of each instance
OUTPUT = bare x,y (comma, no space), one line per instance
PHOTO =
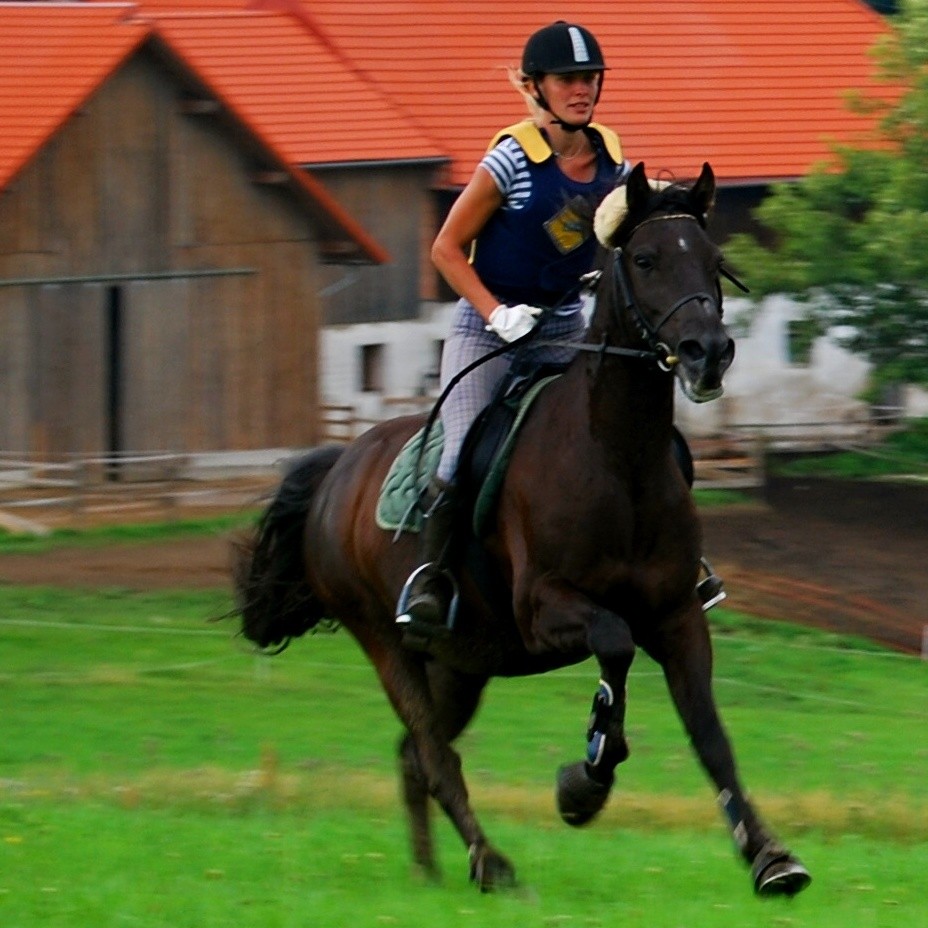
566,126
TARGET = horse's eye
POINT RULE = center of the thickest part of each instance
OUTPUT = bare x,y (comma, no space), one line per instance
644,261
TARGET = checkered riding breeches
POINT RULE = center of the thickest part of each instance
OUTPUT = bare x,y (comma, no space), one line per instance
470,340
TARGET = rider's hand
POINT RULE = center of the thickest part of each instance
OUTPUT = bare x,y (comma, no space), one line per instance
512,322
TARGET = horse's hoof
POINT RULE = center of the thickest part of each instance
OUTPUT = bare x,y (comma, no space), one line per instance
579,797
778,873
490,870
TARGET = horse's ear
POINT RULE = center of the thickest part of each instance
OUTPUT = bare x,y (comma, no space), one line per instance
637,189
703,191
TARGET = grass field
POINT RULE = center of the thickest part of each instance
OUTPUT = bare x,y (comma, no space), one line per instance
903,453
154,772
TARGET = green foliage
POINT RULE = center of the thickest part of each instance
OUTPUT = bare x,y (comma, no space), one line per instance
850,237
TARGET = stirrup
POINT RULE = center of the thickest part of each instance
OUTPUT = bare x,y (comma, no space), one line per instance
710,590
408,621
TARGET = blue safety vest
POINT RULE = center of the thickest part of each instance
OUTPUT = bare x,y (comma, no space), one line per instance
536,254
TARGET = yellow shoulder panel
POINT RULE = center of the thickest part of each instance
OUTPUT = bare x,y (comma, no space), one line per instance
529,136
611,141
537,149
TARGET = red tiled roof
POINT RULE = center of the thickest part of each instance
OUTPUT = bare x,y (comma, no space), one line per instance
52,58
756,87
283,77
51,61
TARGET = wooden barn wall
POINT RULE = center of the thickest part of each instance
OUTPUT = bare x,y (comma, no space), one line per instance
131,186
394,203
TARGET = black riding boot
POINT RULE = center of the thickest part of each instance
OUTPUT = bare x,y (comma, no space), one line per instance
427,603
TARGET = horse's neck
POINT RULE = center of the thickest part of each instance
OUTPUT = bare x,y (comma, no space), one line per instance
631,410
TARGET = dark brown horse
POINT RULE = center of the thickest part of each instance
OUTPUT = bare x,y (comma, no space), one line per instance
594,549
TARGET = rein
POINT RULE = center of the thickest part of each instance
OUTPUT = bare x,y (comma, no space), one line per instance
657,351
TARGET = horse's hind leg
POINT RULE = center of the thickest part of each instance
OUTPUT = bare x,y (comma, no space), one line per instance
404,677
685,652
416,798
455,698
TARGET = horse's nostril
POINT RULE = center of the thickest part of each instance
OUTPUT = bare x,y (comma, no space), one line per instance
728,355
691,352
715,352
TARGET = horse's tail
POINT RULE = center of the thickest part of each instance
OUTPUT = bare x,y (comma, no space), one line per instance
274,599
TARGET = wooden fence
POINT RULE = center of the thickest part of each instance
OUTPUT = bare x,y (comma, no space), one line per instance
36,493
79,489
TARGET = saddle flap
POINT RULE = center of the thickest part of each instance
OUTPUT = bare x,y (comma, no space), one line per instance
481,468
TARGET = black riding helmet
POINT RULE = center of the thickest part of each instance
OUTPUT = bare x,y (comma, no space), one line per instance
559,49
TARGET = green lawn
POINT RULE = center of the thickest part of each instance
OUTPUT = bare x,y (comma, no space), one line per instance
154,772
901,454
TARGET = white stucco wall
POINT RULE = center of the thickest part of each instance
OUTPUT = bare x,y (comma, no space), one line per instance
763,386
410,354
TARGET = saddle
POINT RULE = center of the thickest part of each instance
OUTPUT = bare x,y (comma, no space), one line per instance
482,465
484,456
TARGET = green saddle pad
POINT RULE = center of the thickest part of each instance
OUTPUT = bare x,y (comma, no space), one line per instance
402,487
397,508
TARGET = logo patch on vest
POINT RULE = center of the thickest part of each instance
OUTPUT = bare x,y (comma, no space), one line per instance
567,230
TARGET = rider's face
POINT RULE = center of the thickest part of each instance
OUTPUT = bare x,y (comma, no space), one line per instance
571,96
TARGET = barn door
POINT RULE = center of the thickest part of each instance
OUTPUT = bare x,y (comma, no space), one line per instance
147,324
58,398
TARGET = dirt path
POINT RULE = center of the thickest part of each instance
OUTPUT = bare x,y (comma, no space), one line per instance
850,558
846,557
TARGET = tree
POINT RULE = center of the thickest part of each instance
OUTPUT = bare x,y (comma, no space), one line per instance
851,238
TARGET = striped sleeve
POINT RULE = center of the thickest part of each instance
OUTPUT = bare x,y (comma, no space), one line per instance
507,165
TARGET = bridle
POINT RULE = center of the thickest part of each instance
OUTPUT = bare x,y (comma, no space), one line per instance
657,351
622,285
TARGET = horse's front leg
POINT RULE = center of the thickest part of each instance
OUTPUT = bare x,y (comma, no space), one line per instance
685,653
567,621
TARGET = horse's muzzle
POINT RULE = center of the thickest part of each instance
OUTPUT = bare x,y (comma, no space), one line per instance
702,364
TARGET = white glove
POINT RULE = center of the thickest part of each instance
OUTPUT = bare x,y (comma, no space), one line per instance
512,322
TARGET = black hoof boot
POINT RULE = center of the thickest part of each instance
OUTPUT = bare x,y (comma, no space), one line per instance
777,873
580,797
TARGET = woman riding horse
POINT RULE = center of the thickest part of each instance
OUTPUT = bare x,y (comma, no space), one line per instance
519,221
593,550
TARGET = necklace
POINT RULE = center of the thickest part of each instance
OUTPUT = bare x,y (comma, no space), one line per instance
583,150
